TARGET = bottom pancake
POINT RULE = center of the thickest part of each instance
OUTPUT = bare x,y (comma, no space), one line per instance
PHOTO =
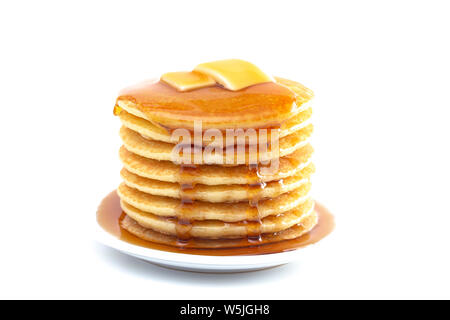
215,229
306,225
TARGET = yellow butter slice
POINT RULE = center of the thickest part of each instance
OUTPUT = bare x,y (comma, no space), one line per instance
185,81
234,74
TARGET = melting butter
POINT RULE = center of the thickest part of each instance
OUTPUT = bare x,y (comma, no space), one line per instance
232,74
185,81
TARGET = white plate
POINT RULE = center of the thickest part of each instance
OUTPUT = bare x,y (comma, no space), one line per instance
198,263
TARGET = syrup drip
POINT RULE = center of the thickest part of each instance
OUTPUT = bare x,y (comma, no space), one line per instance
183,224
255,186
117,110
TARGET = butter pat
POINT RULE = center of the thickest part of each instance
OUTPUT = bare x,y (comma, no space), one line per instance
234,74
185,81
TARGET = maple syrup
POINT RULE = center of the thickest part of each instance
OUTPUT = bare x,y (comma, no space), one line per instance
267,103
183,223
255,187
110,214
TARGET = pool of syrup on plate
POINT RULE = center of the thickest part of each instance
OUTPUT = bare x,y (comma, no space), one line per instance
110,214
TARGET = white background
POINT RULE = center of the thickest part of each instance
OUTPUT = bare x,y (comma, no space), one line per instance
381,74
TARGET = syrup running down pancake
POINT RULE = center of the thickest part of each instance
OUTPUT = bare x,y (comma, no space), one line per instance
248,190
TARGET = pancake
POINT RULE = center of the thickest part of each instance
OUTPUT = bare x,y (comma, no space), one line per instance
159,150
212,174
307,223
217,229
217,193
154,132
261,105
202,210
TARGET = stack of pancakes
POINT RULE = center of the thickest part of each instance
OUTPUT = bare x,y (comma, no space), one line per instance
212,204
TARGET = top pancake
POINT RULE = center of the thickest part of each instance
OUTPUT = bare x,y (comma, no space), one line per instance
262,105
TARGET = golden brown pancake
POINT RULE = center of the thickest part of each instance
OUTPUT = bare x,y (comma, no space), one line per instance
307,223
202,210
212,174
215,229
257,106
159,150
153,132
217,193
